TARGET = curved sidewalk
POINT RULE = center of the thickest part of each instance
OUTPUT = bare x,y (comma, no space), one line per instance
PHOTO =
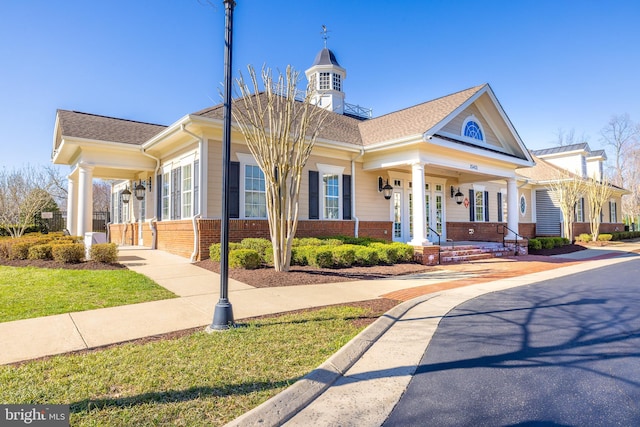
361,384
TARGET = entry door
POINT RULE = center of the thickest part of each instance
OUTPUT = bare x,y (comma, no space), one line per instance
143,208
434,208
398,210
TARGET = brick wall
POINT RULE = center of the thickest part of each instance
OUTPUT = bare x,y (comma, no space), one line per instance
176,237
484,231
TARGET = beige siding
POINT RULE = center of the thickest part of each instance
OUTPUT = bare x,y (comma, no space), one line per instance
455,125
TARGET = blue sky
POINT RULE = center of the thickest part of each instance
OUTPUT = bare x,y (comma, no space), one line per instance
554,65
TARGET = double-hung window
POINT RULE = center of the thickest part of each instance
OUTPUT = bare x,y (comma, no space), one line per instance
187,191
255,196
166,184
331,195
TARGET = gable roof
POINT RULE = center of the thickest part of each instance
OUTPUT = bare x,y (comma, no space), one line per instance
562,149
338,127
413,120
102,128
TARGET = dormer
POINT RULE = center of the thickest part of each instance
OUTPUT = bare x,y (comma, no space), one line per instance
595,164
326,76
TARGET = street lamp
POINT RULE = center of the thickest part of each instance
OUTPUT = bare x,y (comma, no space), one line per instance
223,313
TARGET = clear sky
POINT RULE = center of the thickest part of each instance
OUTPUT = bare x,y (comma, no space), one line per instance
554,65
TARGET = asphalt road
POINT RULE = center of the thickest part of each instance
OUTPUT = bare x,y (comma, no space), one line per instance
565,352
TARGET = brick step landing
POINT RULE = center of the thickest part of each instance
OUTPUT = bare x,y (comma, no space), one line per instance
466,253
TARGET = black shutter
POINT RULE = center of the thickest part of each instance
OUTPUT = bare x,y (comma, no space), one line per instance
176,190
486,206
346,196
611,212
234,190
314,196
472,206
159,197
500,219
582,207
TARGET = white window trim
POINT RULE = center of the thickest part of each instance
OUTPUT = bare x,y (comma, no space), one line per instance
478,188
186,159
473,118
246,160
526,205
324,169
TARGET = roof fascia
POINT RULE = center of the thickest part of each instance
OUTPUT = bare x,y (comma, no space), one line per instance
480,152
394,143
457,111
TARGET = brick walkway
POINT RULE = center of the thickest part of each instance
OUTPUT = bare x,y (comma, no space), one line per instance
489,270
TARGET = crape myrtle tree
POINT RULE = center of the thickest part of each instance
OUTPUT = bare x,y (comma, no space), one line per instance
567,189
598,193
280,132
23,194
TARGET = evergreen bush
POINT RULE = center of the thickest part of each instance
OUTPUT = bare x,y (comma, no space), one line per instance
244,258
104,252
68,252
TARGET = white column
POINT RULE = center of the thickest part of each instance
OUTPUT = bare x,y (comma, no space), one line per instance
419,226
72,206
512,207
85,199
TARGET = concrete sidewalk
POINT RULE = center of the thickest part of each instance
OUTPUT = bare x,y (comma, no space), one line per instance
361,382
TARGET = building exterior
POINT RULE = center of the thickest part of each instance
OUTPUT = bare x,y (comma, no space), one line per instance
454,164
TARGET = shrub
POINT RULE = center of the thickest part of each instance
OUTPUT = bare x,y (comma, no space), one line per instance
387,253
307,241
259,245
366,256
68,252
344,255
584,237
40,252
559,242
604,237
320,256
547,242
20,249
332,242
535,244
300,255
244,258
214,250
5,248
404,251
104,252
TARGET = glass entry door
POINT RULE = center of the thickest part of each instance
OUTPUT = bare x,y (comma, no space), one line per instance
434,208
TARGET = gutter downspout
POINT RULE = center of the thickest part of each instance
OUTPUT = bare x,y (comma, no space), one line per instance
353,193
152,221
194,220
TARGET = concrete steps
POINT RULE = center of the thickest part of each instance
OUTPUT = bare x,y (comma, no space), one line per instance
471,252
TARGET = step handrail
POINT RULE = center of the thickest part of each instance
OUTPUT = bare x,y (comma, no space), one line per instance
439,246
516,234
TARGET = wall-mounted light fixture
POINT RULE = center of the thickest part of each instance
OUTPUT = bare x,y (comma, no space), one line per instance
125,195
458,196
385,189
141,187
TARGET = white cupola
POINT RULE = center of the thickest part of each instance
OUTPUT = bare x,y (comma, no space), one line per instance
326,76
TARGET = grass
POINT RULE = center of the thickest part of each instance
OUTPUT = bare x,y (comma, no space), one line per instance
34,292
196,380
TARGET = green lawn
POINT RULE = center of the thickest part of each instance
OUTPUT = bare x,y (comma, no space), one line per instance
27,292
196,380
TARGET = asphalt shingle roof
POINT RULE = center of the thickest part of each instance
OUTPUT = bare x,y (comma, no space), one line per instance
91,126
562,149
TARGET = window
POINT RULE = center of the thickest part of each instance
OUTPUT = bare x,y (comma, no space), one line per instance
479,206
613,212
166,183
523,205
471,128
337,82
331,195
187,191
255,199
580,211
325,81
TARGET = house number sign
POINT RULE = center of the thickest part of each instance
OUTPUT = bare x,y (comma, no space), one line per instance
473,167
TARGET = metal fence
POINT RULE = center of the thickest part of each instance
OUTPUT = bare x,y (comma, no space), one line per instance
57,221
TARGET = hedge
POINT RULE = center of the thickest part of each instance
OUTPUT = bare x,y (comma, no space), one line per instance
68,252
244,258
104,252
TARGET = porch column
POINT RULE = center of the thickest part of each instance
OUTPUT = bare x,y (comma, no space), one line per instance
418,213
512,207
72,206
85,199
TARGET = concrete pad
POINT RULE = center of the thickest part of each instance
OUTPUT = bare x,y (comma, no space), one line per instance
119,324
44,336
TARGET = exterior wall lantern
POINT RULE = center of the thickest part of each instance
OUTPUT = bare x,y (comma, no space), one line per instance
385,189
457,195
141,187
126,196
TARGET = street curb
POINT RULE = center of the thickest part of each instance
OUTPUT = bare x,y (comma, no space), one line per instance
283,406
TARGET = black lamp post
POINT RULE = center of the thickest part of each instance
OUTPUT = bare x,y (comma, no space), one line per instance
223,313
